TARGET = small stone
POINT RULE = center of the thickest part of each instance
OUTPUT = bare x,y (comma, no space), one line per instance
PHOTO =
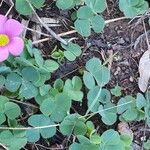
121,41
117,71
131,79
143,138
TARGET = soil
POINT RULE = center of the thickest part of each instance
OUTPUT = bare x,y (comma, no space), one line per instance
118,39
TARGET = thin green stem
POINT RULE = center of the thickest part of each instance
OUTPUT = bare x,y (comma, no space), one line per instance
94,101
92,114
29,128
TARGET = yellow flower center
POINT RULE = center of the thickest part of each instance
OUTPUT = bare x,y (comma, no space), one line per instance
4,40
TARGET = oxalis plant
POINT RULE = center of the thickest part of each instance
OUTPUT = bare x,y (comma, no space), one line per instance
51,110
26,87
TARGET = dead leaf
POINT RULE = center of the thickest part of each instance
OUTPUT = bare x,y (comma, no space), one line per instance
144,70
124,129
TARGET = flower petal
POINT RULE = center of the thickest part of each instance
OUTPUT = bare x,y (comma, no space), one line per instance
3,19
15,47
13,28
3,54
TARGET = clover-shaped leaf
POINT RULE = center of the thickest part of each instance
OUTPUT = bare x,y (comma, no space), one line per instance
2,81
71,51
13,82
72,123
38,57
147,144
12,110
33,135
97,23
65,4
77,146
8,109
87,20
116,91
83,27
28,90
73,88
104,97
99,72
50,65
97,6
125,103
127,109
30,74
92,64
109,116
13,141
23,7
44,89
53,107
111,140
133,8
84,12
140,101
89,80
110,137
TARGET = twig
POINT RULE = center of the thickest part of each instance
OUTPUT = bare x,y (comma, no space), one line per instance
74,31
12,5
4,146
1,3
115,19
47,39
27,104
107,8
67,33
46,27
110,59
147,41
32,30
50,148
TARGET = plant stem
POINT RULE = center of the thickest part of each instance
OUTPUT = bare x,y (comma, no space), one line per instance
94,101
29,128
27,104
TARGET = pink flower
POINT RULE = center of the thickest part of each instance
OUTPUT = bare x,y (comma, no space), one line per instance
10,42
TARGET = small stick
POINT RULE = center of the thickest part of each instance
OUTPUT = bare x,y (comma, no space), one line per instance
41,40
47,39
12,5
47,28
23,103
1,3
67,33
116,19
4,146
74,31
107,8
32,30
147,41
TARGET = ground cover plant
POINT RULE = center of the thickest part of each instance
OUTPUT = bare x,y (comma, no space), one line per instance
74,75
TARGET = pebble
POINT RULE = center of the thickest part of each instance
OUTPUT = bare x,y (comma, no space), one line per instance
121,41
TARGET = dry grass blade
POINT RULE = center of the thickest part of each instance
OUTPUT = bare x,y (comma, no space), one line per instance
46,27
